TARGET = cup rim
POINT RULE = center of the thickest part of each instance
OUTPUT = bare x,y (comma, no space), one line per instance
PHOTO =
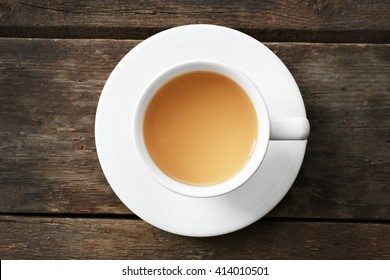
263,128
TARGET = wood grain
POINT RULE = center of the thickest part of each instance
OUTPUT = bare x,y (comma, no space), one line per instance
49,91
283,20
70,238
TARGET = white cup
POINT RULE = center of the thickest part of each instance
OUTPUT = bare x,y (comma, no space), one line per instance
269,128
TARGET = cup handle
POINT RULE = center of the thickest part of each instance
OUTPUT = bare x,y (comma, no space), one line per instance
289,128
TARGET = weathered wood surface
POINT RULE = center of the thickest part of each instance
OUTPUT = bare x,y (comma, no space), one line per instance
283,20
49,91
64,238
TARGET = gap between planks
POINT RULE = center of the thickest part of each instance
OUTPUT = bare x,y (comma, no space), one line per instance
135,217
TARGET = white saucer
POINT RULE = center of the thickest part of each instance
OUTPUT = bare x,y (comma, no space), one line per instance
123,169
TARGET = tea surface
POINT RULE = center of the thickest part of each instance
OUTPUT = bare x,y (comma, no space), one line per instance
200,128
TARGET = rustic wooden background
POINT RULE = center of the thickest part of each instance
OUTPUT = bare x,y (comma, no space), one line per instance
55,57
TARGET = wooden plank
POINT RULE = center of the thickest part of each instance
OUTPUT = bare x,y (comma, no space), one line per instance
49,91
70,238
283,20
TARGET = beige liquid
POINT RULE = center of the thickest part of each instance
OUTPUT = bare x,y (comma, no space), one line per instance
200,128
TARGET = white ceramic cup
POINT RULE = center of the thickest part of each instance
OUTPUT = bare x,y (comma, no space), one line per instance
269,128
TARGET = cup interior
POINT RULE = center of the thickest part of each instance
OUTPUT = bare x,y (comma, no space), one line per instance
263,123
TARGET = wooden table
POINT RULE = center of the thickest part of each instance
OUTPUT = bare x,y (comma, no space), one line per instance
55,57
